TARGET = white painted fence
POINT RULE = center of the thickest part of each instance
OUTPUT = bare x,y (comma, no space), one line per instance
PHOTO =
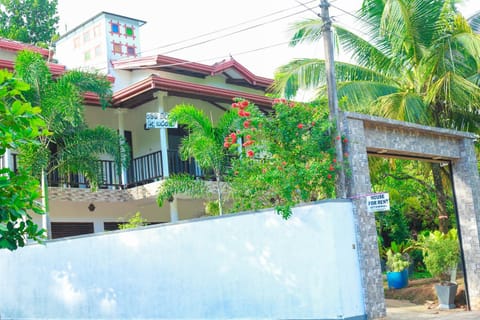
252,265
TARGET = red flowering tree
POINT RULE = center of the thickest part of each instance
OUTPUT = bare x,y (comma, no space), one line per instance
285,158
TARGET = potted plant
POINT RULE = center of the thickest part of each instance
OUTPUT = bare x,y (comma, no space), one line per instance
441,254
397,269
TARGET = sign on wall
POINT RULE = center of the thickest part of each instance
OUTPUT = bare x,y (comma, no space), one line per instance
156,120
378,202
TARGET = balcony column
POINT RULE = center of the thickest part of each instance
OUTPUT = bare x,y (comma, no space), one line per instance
7,160
161,104
121,131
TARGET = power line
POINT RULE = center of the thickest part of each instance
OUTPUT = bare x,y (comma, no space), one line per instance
227,28
234,32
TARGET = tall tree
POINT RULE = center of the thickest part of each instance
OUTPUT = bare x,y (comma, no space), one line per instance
20,124
72,146
415,60
29,21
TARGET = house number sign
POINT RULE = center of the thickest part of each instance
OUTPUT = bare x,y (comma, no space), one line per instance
156,120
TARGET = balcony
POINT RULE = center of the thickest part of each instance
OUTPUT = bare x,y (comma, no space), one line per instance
142,170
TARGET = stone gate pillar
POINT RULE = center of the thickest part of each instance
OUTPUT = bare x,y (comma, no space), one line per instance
467,194
358,185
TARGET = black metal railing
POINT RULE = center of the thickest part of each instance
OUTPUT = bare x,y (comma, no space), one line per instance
110,176
143,170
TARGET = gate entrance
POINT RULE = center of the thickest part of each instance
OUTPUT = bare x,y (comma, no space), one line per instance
368,135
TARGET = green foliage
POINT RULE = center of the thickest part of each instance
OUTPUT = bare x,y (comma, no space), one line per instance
134,221
396,262
414,60
181,184
212,208
392,225
286,157
441,253
29,21
20,124
204,143
72,147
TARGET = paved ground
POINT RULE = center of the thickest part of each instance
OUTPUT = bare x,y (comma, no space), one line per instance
404,310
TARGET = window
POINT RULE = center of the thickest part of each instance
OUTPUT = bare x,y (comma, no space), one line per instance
131,51
98,51
117,48
115,27
76,42
86,36
96,31
87,55
129,31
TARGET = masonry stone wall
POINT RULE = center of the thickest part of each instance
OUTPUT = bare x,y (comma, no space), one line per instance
368,135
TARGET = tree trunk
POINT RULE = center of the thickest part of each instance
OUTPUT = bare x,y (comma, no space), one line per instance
441,198
219,193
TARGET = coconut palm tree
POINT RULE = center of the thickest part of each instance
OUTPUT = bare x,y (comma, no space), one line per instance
415,60
71,146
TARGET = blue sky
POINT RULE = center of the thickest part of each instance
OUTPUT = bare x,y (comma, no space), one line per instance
261,49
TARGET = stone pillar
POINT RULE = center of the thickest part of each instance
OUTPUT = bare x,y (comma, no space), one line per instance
359,185
467,194
161,102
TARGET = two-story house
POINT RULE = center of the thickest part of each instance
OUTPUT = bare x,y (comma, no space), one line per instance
110,44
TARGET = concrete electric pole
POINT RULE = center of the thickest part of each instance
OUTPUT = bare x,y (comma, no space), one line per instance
332,95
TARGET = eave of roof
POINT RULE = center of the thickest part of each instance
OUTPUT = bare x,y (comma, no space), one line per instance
182,88
55,69
15,46
169,63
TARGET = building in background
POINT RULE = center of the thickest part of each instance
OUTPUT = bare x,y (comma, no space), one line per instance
110,44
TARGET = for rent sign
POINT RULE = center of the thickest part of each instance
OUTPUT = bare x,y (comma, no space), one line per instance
378,202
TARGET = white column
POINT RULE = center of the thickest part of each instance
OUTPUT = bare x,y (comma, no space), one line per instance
161,103
121,132
174,210
7,159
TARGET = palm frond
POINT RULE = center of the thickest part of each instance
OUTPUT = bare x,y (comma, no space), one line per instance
406,106
309,30
299,73
80,150
89,82
192,118
359,95
365,53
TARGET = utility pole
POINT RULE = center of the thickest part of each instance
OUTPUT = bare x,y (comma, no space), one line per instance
332,96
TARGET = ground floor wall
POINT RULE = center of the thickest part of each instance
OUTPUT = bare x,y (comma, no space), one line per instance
251,265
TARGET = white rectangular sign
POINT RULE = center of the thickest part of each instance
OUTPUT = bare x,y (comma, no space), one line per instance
155,120
378,202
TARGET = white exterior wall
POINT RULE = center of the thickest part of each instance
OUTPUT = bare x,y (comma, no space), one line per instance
253,265
70,51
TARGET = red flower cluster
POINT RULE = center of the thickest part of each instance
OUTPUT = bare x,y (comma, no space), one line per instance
300,126
277,100
248,141
250,153
246,124
241,105
241,108
331,168
230,139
